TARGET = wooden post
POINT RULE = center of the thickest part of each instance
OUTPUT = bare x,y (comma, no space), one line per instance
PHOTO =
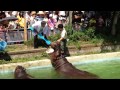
25,27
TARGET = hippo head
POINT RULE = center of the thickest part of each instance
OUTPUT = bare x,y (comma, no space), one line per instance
20,73
56,53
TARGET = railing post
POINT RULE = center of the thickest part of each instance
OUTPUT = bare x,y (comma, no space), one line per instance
5,34
25,27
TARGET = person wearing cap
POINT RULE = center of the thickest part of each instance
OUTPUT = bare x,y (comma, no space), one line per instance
43,23
32,18
39,28
36,24
61,13
44,30
63,39
36,27
21,20
55,16
14,13
40,16
45,18
27,16
52,23
7,14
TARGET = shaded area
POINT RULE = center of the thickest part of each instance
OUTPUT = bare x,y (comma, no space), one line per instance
110,43
42,43
5,56
107,29
39,42
67,52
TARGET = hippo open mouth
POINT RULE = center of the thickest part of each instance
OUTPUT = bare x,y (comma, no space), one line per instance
49,50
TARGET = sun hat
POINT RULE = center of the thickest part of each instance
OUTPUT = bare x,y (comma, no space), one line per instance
33,12
40,12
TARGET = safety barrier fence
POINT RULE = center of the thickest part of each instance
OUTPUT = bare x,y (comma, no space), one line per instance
12,36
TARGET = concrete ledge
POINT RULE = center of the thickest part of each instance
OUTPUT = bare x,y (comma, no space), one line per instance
46,62
84,49
27,51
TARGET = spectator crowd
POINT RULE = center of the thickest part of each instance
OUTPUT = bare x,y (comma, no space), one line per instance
35,19
51,19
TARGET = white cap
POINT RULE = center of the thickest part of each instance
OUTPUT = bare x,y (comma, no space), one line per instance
50,15
62,13
52,28
82,19
14,12
83,12
40,12
60,18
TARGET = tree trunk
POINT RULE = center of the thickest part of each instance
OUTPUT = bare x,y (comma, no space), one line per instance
115,18
70,17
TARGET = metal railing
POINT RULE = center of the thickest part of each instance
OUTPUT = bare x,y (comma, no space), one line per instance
12,36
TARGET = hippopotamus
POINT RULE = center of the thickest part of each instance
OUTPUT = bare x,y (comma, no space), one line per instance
20,73
65,68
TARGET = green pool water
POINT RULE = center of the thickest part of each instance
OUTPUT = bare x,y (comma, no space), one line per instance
105,69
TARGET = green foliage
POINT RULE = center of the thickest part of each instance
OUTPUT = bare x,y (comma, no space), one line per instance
72,35
90,32
92,22
86,35
44,54
95,41
25,59
83,36
78,46
54,37
69,30
16,47
78,36
29,42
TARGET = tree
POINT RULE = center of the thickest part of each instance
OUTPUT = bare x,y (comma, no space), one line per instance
70,17
115,19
